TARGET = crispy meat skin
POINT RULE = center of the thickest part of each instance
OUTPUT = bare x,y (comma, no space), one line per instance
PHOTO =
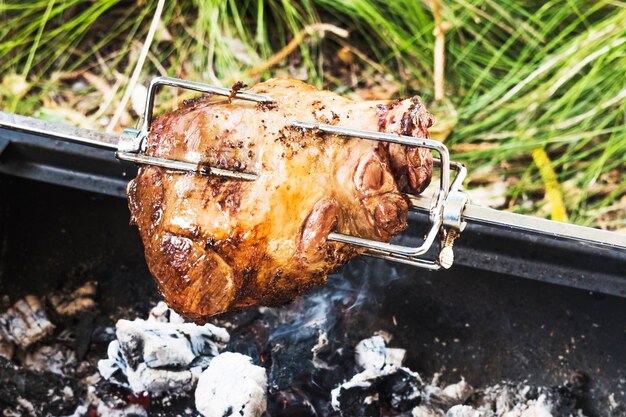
214,244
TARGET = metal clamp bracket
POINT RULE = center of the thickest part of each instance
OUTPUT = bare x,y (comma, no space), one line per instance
132,143
442,211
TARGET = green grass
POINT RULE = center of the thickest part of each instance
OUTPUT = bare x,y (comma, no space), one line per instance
519,74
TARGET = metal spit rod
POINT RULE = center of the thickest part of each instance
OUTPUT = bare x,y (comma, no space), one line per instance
66,133
471,213
475,214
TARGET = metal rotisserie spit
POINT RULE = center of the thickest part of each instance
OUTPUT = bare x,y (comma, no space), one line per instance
531,322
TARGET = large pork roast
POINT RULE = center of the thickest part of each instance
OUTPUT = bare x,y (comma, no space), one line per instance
215,244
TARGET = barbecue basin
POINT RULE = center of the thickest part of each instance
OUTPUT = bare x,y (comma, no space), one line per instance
514,307
484,320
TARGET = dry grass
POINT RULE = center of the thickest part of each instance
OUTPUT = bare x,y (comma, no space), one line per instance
519,76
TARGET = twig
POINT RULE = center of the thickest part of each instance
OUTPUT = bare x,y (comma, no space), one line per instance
472,147
363,57
137,71
440,48
293,44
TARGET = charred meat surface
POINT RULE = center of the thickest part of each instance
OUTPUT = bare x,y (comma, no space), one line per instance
214,244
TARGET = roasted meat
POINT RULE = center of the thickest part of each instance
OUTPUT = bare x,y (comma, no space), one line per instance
215,244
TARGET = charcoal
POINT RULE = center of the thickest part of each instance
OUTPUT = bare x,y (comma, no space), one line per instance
103,332
102,391
427,411
373,353
249,332
105,410
32,393
400,390
450,395
301,350
357,399
310,342
113,368
562,398
232,386
245,345
518,399
292,403
71,304
306,347
381,378
159,356
167,344
291,357
26,322
84,330
54,358
7,347
163,314
162,381
396,389
132,410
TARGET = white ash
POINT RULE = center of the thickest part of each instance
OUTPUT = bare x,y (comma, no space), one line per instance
106,404
540,407
447,396
521,400
26,406
159,344
162,354
382,375
141,378
162,313
55,358
374,353
500,400
25,323
378,367
397,387
427,411
132,410
232,386
322,342
78,301
467,411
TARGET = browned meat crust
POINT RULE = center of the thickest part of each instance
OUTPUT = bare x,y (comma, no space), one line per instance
214,244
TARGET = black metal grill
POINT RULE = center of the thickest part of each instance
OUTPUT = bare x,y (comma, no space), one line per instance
480,320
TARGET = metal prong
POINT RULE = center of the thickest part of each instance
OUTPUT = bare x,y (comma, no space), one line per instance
368,134
184,166
134,145
384,249
422,263
194,86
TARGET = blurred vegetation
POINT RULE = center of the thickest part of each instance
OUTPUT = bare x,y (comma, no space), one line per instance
523,78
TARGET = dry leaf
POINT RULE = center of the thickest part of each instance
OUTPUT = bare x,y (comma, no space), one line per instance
442,127
493,195
15,85
138,99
